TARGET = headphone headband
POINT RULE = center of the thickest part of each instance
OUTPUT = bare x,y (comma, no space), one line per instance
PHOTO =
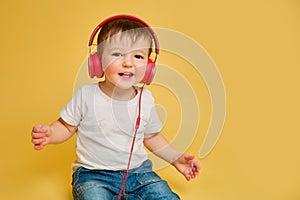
124,16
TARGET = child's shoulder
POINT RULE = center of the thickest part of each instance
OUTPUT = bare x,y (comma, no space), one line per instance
147,94
146,91
88,87
85,89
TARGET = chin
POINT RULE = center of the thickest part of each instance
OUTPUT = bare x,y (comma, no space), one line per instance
124,85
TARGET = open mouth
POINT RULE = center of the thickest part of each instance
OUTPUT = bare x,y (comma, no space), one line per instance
126,74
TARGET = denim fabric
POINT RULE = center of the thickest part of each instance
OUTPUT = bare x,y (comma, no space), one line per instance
142,184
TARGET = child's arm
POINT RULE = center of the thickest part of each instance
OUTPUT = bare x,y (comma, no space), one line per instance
58,132
184,163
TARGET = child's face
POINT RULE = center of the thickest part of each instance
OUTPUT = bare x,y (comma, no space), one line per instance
124,61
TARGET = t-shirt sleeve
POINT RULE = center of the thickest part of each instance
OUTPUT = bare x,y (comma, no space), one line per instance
72,112
154,124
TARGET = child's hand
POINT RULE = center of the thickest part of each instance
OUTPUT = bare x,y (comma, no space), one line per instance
40,136
186,165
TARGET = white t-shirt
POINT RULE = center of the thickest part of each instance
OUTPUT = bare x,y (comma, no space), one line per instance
106,128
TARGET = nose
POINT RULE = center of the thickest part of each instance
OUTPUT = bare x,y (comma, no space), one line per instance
127,62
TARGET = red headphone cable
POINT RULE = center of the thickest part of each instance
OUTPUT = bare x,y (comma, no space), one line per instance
137,125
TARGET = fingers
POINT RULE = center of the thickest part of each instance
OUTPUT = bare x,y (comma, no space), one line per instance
194,164
40,128
38,135
193,167
37,141
191,173
38,147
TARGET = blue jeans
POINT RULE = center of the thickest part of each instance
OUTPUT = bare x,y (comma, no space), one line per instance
142,183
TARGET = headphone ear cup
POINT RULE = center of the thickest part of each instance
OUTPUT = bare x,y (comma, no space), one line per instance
95,68
149,73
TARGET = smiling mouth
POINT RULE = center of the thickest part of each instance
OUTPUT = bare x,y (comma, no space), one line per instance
126,74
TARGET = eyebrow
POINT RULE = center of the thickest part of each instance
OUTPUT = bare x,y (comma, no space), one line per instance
143,50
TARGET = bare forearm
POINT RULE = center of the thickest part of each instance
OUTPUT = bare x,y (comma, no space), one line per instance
161,148
184,163
60,132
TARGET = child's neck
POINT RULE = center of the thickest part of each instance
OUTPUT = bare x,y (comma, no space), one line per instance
117,93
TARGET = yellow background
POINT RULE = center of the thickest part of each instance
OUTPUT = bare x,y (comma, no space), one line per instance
255,45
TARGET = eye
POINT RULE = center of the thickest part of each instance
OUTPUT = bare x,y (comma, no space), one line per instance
137,56
116,54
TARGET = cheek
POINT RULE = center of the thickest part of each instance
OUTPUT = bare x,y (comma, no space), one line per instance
140,71
110,69
108,65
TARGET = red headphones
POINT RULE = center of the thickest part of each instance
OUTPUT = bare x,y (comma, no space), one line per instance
94,62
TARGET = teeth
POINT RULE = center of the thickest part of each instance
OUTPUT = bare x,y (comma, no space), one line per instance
126,74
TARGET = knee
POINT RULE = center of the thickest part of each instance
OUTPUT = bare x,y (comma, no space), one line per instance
155,188
91,191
